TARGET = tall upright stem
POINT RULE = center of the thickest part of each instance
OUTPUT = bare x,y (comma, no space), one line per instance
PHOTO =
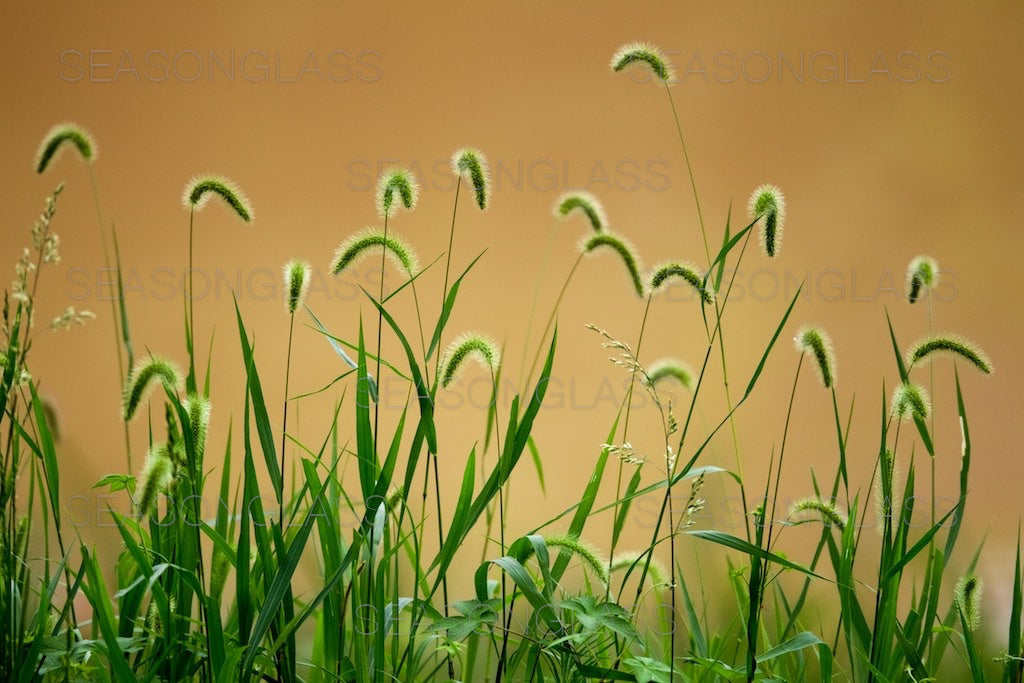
284,419
113,305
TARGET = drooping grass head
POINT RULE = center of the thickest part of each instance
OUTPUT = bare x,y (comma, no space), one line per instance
818,344
606,240
361,244
397,187
646,55
922,274
665,273
670,368
768,206
140,381
950,345
199,190
59,137
156,476
465,347
909,401
830,513
296,283
471,164
584,202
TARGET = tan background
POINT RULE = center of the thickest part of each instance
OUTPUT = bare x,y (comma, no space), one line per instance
921,158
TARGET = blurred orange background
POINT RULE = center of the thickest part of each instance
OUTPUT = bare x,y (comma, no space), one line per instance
893,130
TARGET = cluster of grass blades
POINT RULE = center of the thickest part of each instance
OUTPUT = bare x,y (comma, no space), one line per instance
211,598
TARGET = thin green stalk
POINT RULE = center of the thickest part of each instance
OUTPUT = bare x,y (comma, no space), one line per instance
721,340
380,329
113,306
551,321
284,418
536,296
625,429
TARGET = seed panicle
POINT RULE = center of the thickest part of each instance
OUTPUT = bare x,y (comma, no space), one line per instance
200,188
55,140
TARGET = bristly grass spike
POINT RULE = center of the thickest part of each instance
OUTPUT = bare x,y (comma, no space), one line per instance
818,344
644,54
768,206
625,251
400,182
296,283
140,379
584,202
361,244
58,137
471,164
464,347
922,274
662,275
199,189
949,345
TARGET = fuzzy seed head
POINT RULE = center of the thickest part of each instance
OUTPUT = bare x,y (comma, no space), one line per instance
198,409
768,206
625,251
647,55
584,202
922,274
140,381
670,368
53,143
967,596
157,474
397,187
464,347
664,273
589,556
472,165
951,345
910,401
199,190
296,283
656,572
361,244
815,341
830,513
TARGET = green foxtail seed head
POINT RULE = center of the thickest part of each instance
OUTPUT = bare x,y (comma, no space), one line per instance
587,553
830,513
768,207
363,243
198,409
644,53
929,347
140,380
669,368
623,249
967,596
664,273
584,202
199,190
157,474
400,182
471,164
53,143
296,283
922,274
910,401
816,342
462,348
656,573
